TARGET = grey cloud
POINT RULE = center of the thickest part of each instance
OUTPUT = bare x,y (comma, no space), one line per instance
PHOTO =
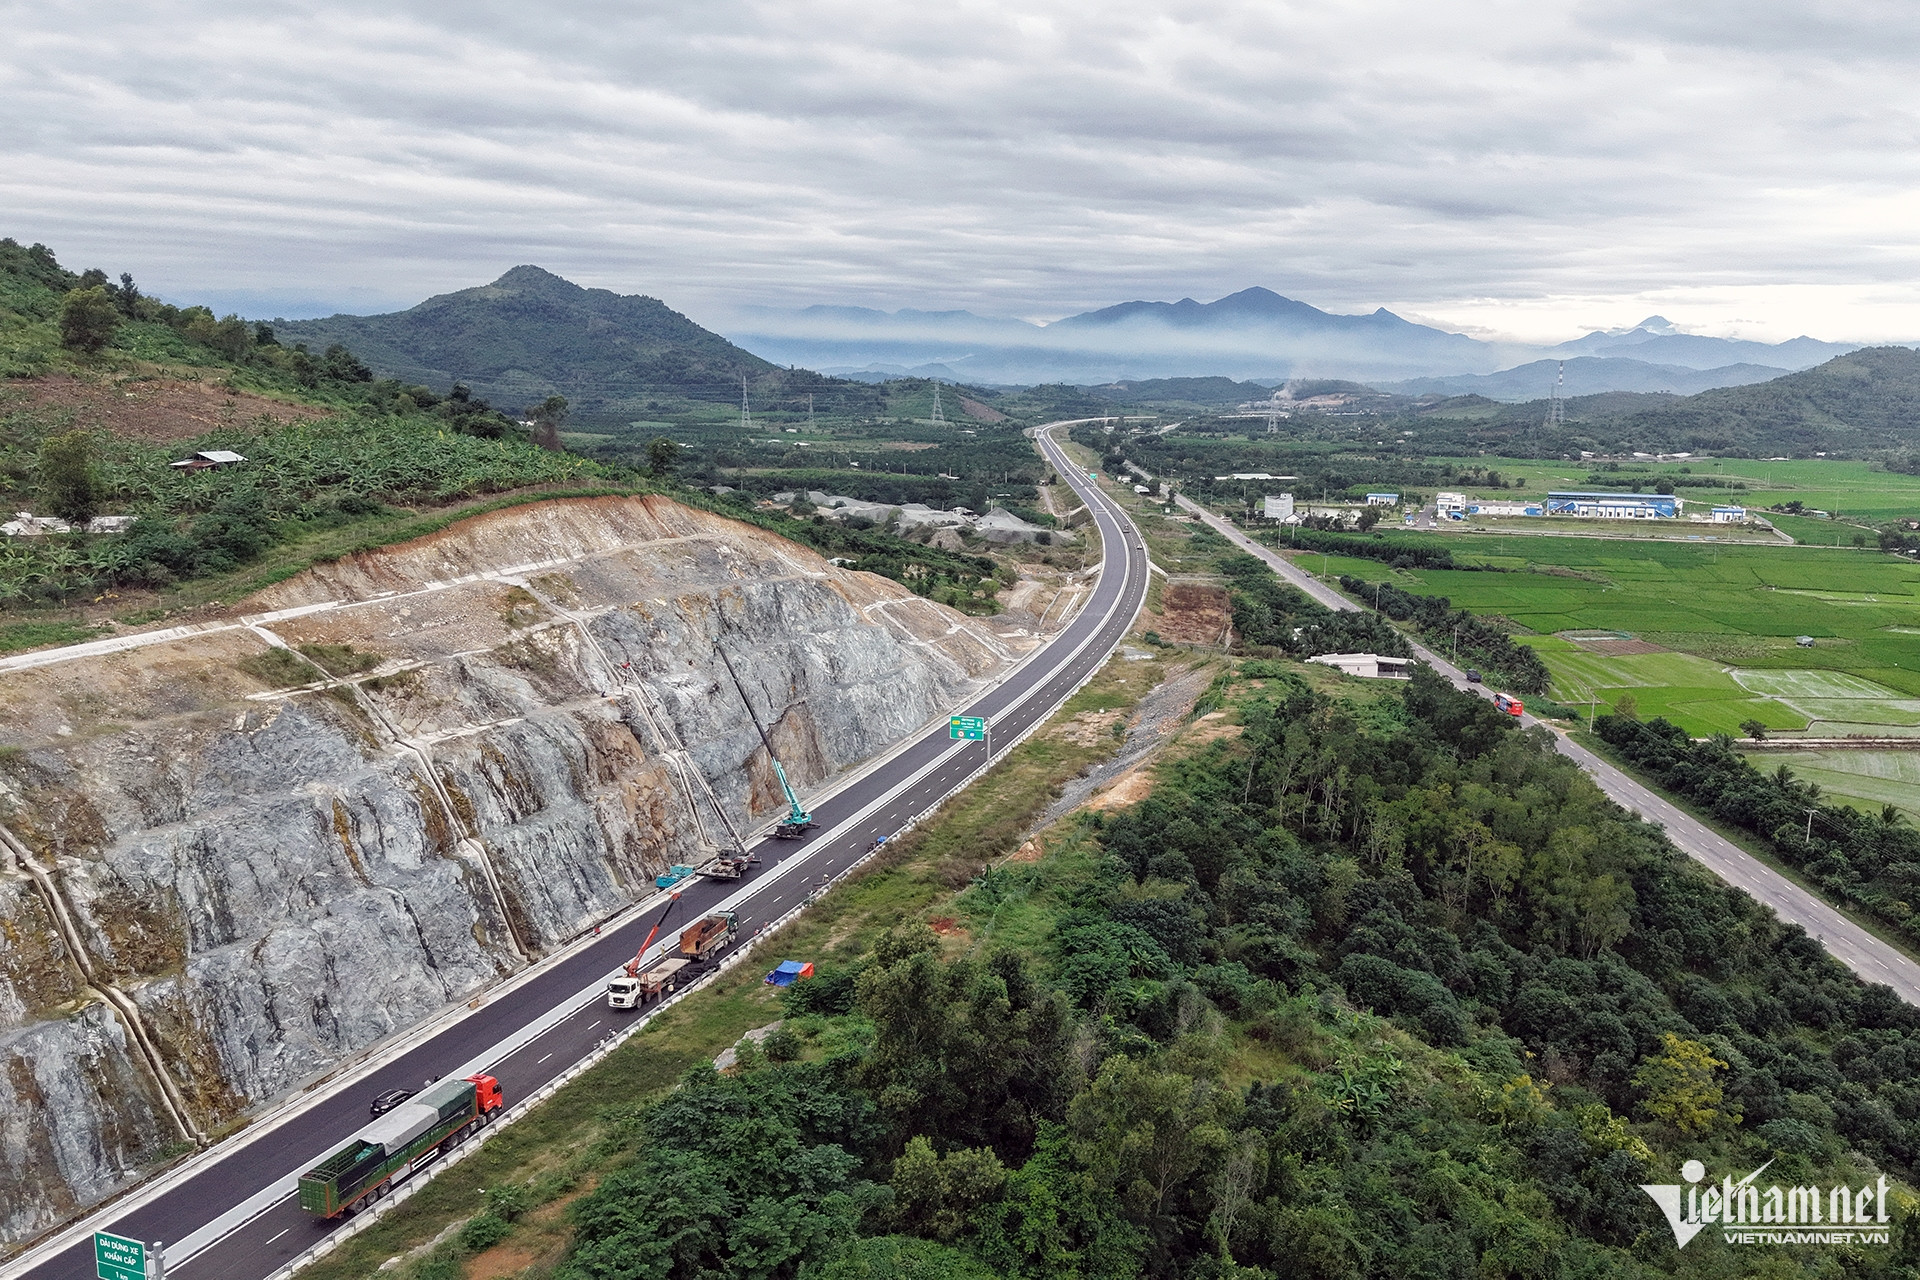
1017,159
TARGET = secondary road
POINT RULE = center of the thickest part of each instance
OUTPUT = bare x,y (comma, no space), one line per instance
232,1215
1869,957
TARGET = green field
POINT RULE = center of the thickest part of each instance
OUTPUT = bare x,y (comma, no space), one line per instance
1719,609
1865,779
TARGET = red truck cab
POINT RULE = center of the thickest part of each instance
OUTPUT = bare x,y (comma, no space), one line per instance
487,1095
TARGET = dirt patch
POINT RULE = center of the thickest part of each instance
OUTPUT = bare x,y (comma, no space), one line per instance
1212,727
1089,728
909,446
980,412
154,410
508,1258
1195,613
1131,789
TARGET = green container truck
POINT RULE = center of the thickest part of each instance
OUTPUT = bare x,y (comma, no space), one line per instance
396,1144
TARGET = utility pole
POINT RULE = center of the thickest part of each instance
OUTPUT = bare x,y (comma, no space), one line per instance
1810,814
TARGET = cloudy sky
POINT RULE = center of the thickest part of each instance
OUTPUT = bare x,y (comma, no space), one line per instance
1527,169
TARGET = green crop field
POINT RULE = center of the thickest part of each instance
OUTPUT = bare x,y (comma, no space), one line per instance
1865,779
1728,615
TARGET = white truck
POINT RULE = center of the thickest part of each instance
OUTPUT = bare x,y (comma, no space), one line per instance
630,992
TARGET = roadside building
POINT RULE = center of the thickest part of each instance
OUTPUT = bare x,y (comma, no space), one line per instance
1451,506
1614,506
1506,509
1729,515
1277,506
1383,499
1373,666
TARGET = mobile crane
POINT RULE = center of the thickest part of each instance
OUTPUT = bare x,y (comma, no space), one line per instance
798,821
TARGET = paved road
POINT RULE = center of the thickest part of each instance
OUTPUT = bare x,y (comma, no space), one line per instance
233,1216
1869,957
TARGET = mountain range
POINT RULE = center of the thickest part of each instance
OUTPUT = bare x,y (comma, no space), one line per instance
1254,335
531,334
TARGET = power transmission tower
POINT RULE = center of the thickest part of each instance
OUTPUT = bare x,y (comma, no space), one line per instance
939,418
809,411
1557,405
746,418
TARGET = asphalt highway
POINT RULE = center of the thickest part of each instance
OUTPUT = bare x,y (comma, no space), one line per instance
232,1215
1870,958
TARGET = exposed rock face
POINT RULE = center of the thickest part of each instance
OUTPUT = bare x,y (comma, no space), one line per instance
523,733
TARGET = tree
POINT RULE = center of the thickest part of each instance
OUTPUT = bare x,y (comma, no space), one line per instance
88,319
1754,729
1626,707
67,479
663,455
546,418
1680,1089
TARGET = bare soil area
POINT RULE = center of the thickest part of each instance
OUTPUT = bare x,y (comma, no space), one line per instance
1195,613
153,410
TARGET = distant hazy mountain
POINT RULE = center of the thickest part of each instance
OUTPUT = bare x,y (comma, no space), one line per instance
531,334
1253,335
1586,375
1656,341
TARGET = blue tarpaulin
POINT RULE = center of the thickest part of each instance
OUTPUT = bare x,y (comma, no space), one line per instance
789,972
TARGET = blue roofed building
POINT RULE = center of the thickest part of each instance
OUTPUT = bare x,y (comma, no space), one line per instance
1614,506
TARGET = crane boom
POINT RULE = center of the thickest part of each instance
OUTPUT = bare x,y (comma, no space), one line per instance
799,821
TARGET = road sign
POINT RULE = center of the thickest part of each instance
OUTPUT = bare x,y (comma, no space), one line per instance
970,727
118,1258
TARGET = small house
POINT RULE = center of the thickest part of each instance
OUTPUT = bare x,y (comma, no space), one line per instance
208,460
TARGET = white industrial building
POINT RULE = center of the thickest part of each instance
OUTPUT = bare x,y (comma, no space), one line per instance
1277,506
1451,505
1729,515
1373,666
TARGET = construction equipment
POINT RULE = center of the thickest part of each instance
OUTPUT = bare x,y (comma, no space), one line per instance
631,992
672,876
798,821
703,938
633,965
729,868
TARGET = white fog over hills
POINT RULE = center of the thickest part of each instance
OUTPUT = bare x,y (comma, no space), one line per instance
1255,335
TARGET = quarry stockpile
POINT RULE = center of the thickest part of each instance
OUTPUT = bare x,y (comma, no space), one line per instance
235,853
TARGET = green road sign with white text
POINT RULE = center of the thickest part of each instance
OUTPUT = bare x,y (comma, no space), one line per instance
118,1258
967,727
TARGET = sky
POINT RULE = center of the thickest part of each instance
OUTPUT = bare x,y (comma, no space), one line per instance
1525,170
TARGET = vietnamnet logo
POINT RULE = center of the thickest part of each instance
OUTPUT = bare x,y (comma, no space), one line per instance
1749,1214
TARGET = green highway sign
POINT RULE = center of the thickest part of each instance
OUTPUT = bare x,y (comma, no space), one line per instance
967,727
118,1258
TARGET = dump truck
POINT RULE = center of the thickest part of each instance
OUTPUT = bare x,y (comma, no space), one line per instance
385,1152
704,938
628,992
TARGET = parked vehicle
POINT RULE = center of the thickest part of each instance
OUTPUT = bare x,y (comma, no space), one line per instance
412,1134
385,1102
729,868
1510,705
702,939
1473,677
630,992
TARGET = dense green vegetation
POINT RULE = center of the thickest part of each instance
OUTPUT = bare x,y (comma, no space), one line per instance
1149,1064
1469,640
1870,861
1274,618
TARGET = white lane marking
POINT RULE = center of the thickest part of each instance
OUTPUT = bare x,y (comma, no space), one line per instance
283,1231
549,1055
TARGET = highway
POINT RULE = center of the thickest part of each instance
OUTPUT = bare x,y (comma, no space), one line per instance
231,1215
1870,958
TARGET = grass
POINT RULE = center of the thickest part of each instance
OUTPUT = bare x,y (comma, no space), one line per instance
32,635
1715,606
587,1128
1866,780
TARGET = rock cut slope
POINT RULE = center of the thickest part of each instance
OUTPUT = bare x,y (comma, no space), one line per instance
239,853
